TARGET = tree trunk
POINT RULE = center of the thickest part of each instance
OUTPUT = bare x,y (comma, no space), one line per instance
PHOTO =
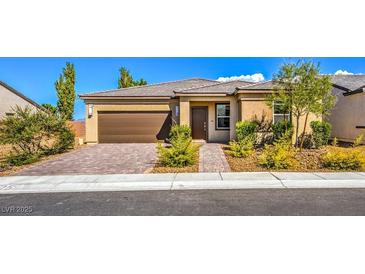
303,134
297,131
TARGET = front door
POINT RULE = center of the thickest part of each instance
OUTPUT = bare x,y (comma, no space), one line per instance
200,123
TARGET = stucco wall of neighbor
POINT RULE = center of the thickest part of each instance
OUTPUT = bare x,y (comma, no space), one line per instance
8,100
91,122
348,113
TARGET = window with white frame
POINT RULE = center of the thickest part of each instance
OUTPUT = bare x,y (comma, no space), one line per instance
222,112
280,113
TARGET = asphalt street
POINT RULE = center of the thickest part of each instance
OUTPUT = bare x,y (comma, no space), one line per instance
189,202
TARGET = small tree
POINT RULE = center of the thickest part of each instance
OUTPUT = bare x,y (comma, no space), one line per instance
301,90
65,87
126,79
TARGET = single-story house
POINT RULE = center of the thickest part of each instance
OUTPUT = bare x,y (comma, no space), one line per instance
348,115
10,97
145,113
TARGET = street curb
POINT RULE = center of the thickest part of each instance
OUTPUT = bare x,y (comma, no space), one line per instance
181,181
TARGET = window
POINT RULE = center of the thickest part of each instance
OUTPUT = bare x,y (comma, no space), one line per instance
177,110
280,113
222,116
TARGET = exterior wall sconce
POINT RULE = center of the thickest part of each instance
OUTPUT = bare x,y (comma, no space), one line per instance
90,110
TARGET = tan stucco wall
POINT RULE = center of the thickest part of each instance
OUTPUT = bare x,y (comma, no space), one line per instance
348,113
92,122
252,105
8,100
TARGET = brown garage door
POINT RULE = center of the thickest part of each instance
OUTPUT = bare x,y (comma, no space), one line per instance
133,127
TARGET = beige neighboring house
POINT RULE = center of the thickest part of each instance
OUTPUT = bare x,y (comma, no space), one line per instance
9,98
146,113
348,116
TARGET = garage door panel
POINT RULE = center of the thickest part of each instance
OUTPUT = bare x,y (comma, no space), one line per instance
127,127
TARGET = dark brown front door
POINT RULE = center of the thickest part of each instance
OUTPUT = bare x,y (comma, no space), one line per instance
200,122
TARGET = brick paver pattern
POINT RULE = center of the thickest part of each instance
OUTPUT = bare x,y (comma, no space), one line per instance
99,159
212,159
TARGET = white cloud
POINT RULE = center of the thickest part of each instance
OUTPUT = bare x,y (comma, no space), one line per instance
257,77
343,72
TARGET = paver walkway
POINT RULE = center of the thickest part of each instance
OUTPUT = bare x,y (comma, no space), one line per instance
212,159
99,159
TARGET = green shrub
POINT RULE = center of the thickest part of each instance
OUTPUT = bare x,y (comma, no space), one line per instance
19,159
64,142
280,155
246,129
241,149
339,158
177,130
33,134
321,133
358,140
280,128
181,153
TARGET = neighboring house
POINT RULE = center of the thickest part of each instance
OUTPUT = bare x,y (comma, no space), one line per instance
10,98
348,116
145,113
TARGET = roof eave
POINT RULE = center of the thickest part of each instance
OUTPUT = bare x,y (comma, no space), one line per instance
201,94
88,97
21,95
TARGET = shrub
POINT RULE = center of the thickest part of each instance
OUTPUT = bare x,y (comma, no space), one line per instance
19,159
321,132
241,149
181,153
281,127
246,129
339,158
358,140
280,155
177,130
33,134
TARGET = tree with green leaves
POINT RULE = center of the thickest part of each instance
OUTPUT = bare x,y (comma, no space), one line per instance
50,108
126,79
65,87
301,90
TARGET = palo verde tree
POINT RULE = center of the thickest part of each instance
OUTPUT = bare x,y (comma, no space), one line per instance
301,90
126,79
65,87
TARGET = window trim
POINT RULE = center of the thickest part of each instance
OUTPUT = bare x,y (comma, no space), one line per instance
279,114
225,116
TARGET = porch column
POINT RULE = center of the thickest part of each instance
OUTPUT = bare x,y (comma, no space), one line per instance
184,111
233,117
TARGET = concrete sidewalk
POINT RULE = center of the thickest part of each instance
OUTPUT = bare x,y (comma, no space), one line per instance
180,181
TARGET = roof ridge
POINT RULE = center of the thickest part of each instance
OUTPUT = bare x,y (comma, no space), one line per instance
216,84
149,85
255,84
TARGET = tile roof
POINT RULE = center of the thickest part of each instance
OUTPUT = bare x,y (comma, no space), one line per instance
349,82
266,85
165,89
221,87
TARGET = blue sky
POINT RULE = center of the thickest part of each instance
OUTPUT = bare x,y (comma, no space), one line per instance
35,77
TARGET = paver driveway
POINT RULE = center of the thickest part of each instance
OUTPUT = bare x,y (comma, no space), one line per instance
99,159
